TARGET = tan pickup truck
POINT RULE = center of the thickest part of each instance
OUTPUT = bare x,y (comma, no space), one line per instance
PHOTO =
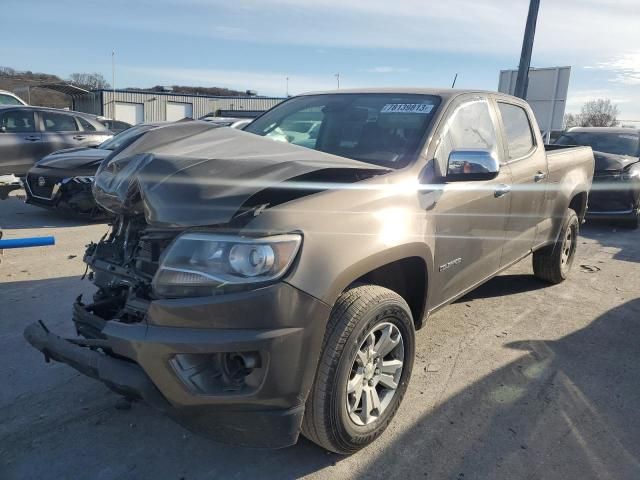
264,283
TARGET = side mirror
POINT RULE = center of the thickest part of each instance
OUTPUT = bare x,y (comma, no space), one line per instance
472,165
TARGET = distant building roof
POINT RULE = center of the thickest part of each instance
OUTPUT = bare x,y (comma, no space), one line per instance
65,88
174,94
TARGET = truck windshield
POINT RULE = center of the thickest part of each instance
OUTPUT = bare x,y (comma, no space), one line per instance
606,142
379,128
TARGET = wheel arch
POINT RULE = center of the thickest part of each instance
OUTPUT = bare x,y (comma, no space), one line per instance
403,269
578,203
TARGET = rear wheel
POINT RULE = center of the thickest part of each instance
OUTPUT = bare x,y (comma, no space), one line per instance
633,222
553,262
363,371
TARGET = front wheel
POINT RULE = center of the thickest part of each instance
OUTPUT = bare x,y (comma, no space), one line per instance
364,369
553,262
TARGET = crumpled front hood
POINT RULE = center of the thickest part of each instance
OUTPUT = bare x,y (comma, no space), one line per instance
72,158
608,162
186,175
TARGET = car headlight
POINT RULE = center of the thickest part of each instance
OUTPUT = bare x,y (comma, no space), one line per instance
632,172
199,264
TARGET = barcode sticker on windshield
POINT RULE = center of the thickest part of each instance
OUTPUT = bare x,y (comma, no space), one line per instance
407,108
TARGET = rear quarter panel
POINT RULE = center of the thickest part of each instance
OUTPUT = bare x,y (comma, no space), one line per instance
570,173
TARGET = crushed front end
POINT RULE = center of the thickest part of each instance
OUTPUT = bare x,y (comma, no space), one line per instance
65,191
235,365
194,312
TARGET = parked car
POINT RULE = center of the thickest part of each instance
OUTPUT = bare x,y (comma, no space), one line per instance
254,289
116,126
616,182
10,98
62,180
29,133
228,121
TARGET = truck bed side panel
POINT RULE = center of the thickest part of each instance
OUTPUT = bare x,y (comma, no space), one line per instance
570,174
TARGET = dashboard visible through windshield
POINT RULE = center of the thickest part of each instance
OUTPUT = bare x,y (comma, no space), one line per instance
383,129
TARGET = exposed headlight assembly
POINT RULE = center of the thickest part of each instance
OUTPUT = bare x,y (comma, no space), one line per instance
632,172
200,264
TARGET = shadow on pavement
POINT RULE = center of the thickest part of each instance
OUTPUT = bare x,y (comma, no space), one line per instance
624,240
505,285
17,215
566,409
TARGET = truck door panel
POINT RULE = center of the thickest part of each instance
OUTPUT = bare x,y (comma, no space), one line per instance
528,165
469,216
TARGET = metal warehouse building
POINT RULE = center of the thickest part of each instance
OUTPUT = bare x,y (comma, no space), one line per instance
134,106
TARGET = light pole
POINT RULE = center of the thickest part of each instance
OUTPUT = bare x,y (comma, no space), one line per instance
113,70
337,75
527,47
287,78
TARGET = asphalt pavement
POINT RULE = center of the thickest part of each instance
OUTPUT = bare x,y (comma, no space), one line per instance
518,380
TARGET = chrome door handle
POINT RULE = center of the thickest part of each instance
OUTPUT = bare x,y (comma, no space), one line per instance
32,138
501,190
79,137
539,176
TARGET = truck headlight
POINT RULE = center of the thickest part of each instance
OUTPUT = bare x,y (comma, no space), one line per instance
197,264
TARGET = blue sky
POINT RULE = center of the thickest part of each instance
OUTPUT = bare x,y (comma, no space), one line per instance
255,44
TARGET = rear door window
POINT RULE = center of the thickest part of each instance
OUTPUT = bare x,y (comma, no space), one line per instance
17,121
517,129
59,122
86,126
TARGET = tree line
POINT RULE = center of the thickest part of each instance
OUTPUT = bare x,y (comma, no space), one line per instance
594,113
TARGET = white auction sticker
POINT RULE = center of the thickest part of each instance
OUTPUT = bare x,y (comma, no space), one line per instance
407,108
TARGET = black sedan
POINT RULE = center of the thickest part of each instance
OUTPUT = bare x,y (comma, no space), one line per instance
615,194
62,180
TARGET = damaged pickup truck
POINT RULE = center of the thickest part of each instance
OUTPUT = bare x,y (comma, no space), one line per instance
264,283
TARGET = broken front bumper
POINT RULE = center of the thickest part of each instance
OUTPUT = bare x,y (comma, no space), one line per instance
66,191
183,360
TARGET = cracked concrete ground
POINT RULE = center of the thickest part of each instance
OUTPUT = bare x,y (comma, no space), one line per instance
518,380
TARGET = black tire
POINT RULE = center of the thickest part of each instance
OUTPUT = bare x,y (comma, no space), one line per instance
355,314
549,263
633,222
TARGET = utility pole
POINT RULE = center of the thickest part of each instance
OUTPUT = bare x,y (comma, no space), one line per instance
527,47
337,75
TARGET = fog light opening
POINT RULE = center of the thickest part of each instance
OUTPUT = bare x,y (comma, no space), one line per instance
237,366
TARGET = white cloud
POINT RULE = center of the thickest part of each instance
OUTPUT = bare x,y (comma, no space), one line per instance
573,29
625,67
597,33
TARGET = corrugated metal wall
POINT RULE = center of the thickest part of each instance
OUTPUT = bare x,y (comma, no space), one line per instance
155,103
89,103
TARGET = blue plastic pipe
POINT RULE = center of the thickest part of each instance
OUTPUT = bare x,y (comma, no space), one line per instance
27,242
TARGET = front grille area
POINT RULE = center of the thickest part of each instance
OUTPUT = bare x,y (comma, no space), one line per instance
610,193
46,191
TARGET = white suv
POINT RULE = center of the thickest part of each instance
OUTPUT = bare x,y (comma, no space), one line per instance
8,98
